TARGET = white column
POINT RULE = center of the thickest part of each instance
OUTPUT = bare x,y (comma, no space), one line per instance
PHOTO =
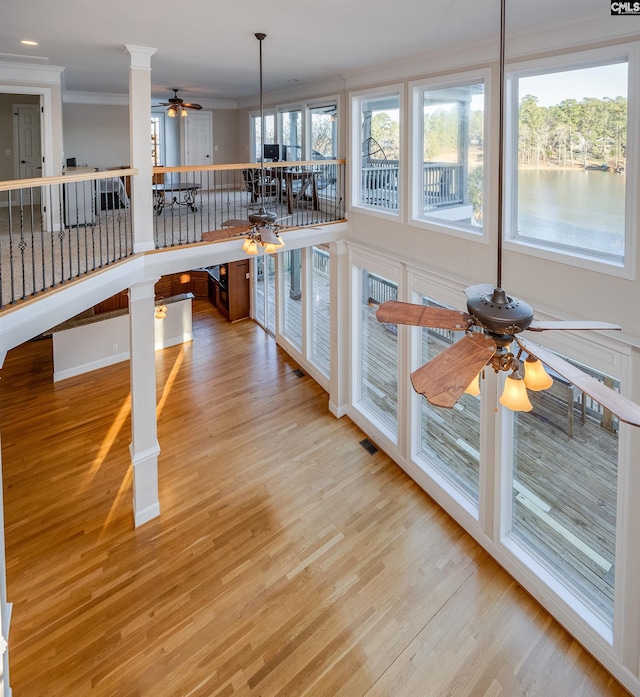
340,299
144,446
139,144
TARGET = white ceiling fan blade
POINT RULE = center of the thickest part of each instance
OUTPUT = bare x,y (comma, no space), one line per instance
623,408
574,325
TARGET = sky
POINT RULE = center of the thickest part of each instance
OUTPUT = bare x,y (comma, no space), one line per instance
602,81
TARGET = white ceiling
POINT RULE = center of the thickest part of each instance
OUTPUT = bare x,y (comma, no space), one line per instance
208,49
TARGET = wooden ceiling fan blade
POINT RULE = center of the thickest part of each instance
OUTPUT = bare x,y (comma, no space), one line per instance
444,378
233,222
623,408
479,289
223,234
395,312
575,325
191,106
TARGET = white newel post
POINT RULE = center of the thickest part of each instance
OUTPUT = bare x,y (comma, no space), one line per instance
144,444
139,135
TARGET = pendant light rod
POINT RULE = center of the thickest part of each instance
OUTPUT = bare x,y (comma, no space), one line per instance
501,141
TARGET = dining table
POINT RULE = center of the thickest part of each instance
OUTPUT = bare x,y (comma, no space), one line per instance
299,184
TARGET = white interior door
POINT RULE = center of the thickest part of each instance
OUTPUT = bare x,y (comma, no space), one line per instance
27,141
199,138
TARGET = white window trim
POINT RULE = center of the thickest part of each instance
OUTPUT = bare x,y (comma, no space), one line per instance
584,59
355,131
416,130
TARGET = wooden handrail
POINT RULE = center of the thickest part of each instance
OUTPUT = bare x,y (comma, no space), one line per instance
65,179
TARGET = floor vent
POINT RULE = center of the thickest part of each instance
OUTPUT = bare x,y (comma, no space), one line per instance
298,373
368,446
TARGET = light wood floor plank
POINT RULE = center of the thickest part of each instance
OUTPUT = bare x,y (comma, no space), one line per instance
287,561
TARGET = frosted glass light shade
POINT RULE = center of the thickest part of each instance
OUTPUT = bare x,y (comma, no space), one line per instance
252,248
245,244
536,377
514,396
474,387
172,112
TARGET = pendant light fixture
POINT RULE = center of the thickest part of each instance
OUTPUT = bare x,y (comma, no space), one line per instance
263,232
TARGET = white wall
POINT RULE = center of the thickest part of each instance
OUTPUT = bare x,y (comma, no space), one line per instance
92,346
97,135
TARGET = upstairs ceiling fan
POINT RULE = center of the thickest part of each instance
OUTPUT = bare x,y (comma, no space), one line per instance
261,229
492,324
177,105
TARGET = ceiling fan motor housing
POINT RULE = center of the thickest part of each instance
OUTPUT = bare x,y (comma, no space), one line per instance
500,313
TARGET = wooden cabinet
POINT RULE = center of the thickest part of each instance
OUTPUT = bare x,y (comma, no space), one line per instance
233,290
196,282
115,302
200,284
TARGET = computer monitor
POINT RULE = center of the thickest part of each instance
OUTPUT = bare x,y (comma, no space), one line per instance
272,152
71,162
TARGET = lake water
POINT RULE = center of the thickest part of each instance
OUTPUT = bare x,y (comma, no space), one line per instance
582,209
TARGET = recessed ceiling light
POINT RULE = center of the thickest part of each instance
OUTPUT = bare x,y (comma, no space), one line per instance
28,42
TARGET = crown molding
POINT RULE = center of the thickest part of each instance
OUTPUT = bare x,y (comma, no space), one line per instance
115,99
27,73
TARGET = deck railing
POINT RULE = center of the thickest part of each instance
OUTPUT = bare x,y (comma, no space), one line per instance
56,229
442,184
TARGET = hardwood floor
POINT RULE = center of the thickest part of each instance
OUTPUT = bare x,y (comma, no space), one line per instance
287,559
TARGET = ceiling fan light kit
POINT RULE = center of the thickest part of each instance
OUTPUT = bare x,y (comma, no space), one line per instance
177,105
491,327
514,396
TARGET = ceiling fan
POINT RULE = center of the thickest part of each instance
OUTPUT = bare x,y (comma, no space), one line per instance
261,229
492,325
177,105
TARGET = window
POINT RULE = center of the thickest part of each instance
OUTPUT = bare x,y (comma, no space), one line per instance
450,438
448,165
571,164
290,130
320,298
156,142
376,143
324,145
264,298
292,296
564,489
378,364
269,134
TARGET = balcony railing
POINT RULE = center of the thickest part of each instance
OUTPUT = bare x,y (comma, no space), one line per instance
56,229
190,201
